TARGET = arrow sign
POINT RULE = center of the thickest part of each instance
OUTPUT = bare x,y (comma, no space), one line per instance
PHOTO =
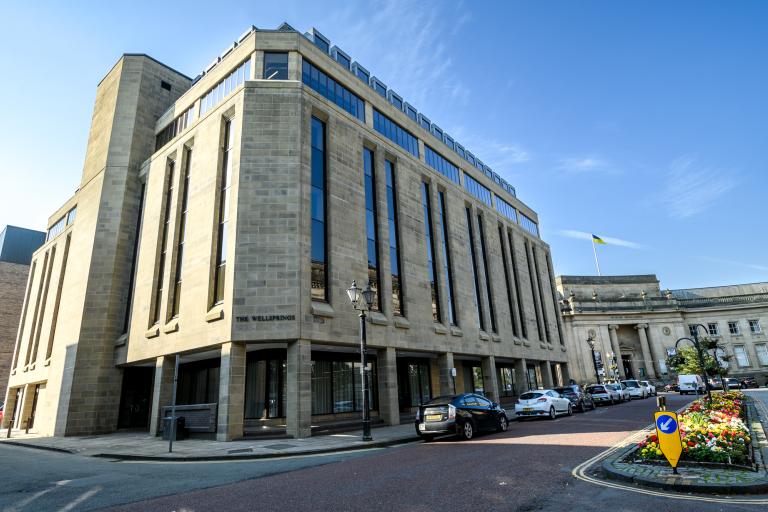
667,430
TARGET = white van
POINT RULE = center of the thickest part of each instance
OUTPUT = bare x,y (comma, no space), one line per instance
690,384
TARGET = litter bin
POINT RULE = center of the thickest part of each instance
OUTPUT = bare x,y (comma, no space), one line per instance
181,432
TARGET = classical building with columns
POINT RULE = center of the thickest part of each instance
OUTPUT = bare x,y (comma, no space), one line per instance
222,219
633,323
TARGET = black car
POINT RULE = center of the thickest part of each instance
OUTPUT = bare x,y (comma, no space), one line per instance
580,399
749,382
464,415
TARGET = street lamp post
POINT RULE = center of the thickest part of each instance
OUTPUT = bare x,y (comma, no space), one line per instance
591,342
362,300
697,346
717,360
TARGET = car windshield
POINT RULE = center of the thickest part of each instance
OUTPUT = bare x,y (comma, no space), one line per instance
565,391
596,389
631,384
530,396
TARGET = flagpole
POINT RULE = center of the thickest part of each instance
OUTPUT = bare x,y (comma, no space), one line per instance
597,263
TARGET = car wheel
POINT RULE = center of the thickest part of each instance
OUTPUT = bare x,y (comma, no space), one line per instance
503,423
582,406
570,410
467,430
552,413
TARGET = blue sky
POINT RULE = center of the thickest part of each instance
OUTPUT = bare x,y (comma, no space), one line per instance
645,123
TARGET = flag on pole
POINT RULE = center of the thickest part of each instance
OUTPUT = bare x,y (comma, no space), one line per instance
596,239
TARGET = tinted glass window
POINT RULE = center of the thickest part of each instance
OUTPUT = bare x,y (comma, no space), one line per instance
275,66
483,402
596,389
530,396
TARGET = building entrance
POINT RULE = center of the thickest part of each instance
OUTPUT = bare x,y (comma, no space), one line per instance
413,383
626,360
136,397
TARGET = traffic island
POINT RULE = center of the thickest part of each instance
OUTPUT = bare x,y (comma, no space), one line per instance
724,451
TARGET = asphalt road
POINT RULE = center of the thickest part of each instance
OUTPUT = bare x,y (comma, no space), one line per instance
527,468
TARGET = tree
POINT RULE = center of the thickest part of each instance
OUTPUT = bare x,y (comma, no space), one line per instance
686,362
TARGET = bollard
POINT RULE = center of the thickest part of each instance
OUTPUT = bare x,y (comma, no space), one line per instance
661,402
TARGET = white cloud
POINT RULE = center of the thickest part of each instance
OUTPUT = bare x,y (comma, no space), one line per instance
583,235
692,187
583,164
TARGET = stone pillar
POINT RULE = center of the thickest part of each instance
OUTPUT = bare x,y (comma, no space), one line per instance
447,382
490,382
546,374
162,391
565,373
521,377
231,392
649,371
389,405
298,416
616,349
656,351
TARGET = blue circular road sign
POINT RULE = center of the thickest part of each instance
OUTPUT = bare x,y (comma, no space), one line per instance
666,424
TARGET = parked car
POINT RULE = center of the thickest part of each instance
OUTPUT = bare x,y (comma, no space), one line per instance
542,402
731,382
650,387
622,390
602,394
690,384
749,382
636,390
580,399
464,415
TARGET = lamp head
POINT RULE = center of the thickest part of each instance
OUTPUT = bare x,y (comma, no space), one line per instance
353,292
368,296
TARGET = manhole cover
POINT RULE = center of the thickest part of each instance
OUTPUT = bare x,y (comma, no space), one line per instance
280,446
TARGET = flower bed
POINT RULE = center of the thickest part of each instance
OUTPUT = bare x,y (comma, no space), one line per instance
711,432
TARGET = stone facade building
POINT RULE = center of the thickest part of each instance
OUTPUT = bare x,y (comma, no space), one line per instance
634,322
16,248
223,218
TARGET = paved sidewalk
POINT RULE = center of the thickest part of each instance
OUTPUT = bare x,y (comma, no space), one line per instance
141,446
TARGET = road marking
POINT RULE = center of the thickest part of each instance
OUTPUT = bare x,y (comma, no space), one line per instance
263,459
579,472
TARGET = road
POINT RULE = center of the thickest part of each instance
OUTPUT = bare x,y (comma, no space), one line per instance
527,468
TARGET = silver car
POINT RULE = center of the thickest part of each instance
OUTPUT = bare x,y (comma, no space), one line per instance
603,394
622,390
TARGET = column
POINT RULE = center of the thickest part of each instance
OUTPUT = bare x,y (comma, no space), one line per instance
447,381
546,373
657,352
565,373
389,406
648,359
490,382
616,349
298,416
231,392
162,391
521,380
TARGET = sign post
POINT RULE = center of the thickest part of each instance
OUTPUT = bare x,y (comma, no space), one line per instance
668,432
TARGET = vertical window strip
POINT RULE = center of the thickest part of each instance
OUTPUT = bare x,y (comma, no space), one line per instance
548,263
516,276
430,241
535,296
318,250
507,280
24,315
447,265
36,314
371,227
182,229
225,182
43,303
398,307
134,256
473,263
59,288
488,289
547,334
160,271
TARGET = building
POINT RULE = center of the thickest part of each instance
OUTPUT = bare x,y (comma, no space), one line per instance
16,248
222,218
634,323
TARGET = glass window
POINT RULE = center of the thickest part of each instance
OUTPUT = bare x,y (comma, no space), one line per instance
505,377
506,209
221,238
275,65
447,266
426,204
164,228
398,307
754,327
440,164
693,330
182,228
371,226
742,359
319,265
516,278
228,84
511,300
395,133
733,328
333,91
713,329
762,353
528,224
486,268
473,263
476,189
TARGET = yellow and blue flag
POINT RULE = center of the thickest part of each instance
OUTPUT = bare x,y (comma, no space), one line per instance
596,239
